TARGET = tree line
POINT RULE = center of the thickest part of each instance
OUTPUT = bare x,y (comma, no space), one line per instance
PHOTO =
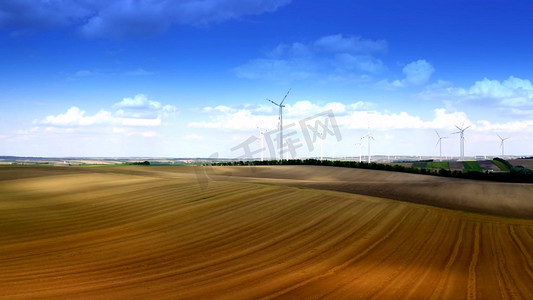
515,173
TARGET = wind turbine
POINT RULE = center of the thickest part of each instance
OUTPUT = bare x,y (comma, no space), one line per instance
502,143
462,133
281,106
439,142
360,149
369,137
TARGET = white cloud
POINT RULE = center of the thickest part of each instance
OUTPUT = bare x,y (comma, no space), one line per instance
323,58
139,101
131,131
353,44
241,119
511,87
511,91
517,102
131,115
513,126
365,63
149,134
448,120
416,73
137,122
76,117
229,126
361,105
141,107
28,131
220,108
513,96
350,116
194,137
379,121
276,69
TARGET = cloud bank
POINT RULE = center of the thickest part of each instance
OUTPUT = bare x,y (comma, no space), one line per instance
328,55
132,112
416,73
512,96
126,18
359,116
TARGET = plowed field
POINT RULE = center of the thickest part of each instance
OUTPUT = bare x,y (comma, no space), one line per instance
263,232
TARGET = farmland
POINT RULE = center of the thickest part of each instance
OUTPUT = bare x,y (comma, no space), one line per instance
527,163
260,232
472,166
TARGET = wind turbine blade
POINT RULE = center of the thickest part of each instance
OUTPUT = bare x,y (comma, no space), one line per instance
273,102
457,127
467,127
499,136
437,134
285,96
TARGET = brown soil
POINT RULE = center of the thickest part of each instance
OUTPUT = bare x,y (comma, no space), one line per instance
173,232
527,163
488,165
504,199
457,165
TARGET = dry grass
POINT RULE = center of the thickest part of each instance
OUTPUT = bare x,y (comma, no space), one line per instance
153,232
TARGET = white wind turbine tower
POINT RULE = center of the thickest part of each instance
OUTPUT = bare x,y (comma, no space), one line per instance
462,133
281,106
439,143
369,137
322,137
360,149
290,146
502,144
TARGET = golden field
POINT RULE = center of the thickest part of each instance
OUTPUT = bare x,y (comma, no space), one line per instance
261,232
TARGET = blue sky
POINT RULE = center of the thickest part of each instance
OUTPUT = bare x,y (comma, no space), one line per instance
191,78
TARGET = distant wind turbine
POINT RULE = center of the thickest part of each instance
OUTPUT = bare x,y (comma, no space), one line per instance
322,137
281,106
360,148
462,138
439,143
369,137
502,144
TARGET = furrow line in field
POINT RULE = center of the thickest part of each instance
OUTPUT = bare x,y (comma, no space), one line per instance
423,249
471,288
335,269
505,290
444,277
523,250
